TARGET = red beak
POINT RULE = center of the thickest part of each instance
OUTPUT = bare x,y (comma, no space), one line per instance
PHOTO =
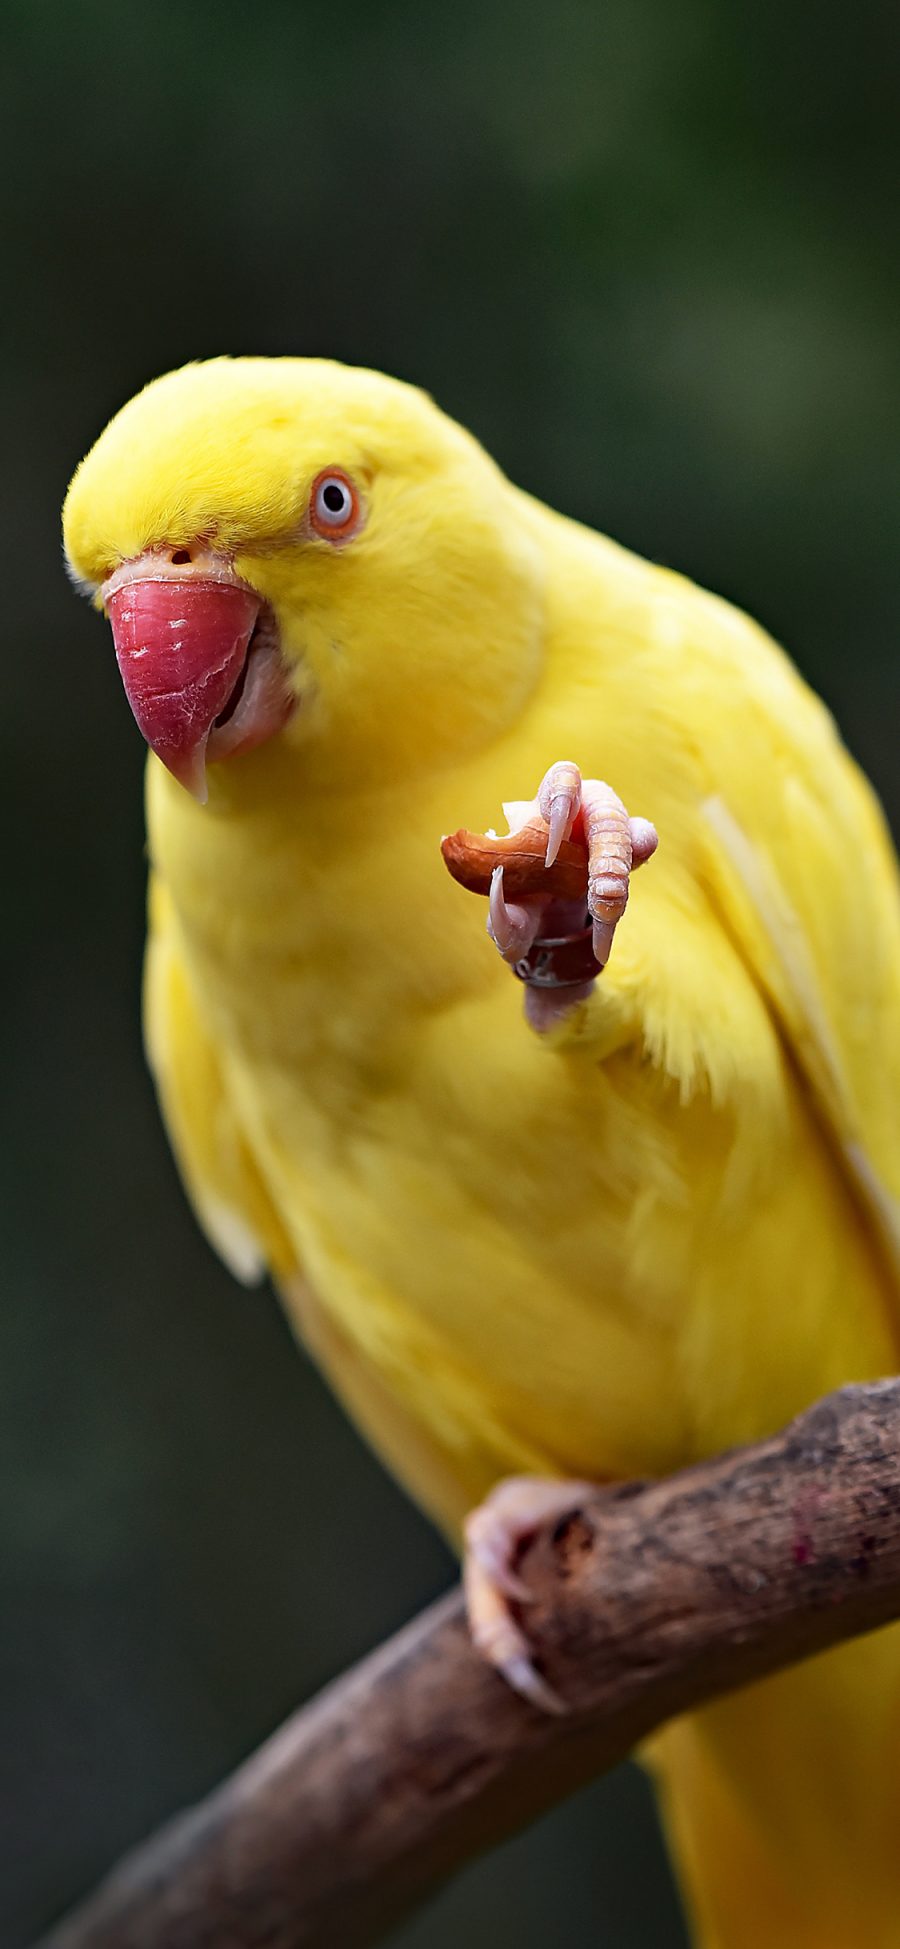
181,644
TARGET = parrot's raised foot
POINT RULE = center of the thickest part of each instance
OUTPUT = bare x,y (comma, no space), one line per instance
558,947
557,884
494,1535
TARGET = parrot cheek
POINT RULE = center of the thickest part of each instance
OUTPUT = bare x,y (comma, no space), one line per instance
201,666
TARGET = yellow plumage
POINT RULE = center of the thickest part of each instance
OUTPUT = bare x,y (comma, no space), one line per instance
658,1231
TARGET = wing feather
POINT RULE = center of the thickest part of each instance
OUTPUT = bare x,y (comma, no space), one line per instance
804,875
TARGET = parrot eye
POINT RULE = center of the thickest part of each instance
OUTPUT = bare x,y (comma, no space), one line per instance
334,507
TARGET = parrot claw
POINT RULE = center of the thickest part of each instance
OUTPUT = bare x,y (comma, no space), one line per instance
559,800
495,1533
511,926
521,1677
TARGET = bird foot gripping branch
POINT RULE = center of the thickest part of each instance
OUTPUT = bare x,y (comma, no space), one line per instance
557,884
495,1533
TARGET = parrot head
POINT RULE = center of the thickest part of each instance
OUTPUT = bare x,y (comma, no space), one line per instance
310,558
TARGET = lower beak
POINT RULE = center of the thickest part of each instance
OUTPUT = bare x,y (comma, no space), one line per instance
181,645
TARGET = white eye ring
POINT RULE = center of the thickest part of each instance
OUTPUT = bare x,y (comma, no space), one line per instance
333,505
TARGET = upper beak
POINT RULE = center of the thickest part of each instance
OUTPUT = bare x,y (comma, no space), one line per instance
182,634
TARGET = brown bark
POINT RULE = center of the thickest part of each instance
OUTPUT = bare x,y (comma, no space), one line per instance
648,1600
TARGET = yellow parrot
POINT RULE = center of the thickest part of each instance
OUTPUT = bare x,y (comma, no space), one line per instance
649,1214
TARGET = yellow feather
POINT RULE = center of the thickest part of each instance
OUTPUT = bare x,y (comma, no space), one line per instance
658,1231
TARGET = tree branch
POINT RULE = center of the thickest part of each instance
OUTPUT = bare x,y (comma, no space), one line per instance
649,1600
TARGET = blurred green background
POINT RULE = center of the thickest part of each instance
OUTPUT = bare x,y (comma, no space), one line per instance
648,253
